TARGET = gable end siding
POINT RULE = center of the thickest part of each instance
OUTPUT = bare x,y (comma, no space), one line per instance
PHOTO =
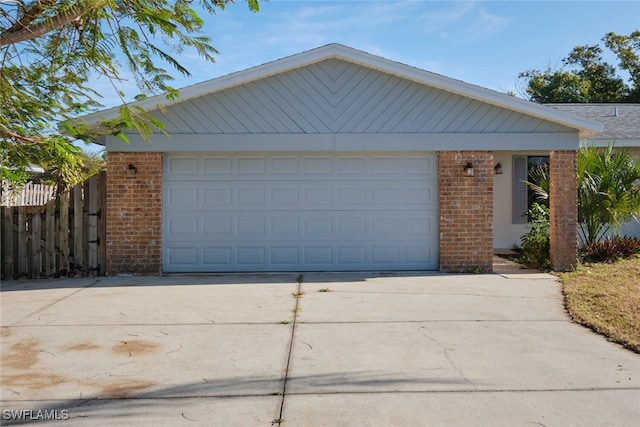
335,96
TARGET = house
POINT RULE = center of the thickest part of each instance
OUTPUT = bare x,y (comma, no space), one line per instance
334,159
621,127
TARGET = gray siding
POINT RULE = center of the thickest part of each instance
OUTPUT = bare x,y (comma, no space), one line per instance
336,96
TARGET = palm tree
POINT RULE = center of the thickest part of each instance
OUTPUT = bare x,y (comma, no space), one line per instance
608,190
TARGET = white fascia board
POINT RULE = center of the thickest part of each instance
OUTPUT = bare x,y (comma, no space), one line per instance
617,143
584,126
330,142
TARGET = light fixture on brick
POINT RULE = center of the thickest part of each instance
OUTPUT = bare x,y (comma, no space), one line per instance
132,170
468,169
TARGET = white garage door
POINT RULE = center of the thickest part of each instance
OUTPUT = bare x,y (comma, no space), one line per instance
299,212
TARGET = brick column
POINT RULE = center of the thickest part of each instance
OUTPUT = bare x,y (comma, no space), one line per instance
134,213
465,210
563,203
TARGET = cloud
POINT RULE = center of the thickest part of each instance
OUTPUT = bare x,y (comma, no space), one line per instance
464,23
321,23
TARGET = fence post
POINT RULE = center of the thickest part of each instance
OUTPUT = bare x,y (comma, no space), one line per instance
8,237
36,244
93,226
102,223
78,236
50,221
63,231
23,265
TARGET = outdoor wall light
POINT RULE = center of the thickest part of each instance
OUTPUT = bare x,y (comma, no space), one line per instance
468,169
498,169
131,170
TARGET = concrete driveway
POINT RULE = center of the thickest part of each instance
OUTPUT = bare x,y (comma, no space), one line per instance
339,350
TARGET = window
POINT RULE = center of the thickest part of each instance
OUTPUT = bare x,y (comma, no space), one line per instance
522,196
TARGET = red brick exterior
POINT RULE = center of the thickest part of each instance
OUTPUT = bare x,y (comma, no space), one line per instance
465,209
563,203
134,213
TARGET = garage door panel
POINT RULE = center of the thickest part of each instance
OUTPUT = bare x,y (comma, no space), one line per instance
318,166
285,225
187,227
180,256
198,226
217,165
299,212
285,256
250,166
285,166
182,197
217,257
217,196
344,256
176,166
251,255
299,195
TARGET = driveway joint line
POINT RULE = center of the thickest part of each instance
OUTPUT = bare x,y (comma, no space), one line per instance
296,309
373,322
92,325
469,391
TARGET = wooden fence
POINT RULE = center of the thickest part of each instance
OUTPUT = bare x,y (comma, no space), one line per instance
63,238
29,195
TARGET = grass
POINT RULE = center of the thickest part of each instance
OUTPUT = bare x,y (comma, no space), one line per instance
606,298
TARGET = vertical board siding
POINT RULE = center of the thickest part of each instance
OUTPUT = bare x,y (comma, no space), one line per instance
336,96
50,240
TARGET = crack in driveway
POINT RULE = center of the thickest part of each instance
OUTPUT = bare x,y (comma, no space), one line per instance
447,356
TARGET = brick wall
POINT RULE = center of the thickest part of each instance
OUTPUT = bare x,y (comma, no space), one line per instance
134,213
563,203
465,209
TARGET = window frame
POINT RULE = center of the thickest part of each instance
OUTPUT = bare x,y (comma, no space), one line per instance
520,192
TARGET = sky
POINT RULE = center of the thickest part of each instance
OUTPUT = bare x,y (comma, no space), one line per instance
487,43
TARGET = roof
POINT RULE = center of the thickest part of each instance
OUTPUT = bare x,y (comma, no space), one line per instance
621,121
583,125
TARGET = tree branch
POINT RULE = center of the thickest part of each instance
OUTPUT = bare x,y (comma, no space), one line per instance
21,30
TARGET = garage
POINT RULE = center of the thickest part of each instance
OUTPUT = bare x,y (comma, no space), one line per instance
225,212
332,159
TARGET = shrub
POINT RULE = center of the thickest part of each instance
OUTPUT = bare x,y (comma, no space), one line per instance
610,249
535,244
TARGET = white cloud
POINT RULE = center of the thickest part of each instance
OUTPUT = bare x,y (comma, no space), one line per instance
463,23
345,22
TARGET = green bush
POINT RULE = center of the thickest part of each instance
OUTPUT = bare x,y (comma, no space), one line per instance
610,249
535,244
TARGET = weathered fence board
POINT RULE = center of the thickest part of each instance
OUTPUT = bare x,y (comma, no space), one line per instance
78,247
50,253
93,227
7,235
63,233
102,227
64,237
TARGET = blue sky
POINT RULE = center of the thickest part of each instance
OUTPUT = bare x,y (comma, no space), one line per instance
481,42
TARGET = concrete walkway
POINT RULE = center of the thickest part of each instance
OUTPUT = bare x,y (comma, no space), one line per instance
337,350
